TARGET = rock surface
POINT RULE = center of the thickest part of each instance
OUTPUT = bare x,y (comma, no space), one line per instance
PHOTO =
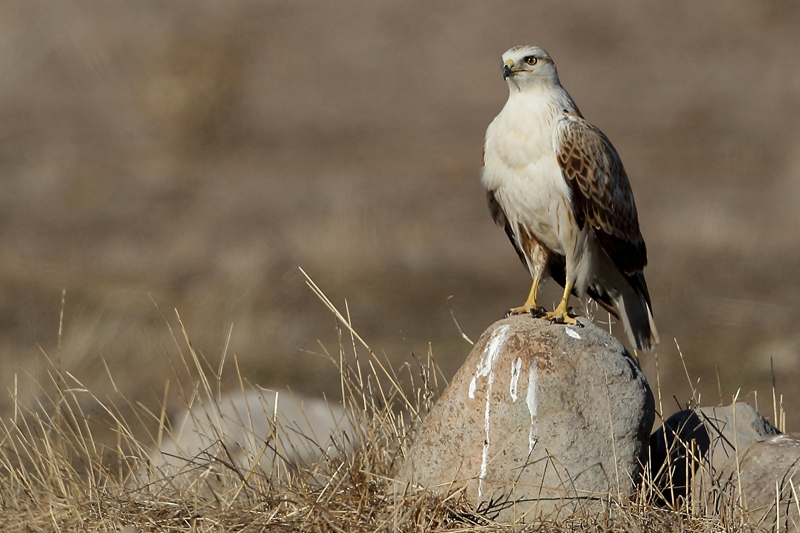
533,421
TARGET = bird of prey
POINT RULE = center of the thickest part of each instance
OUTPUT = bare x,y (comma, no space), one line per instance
557,186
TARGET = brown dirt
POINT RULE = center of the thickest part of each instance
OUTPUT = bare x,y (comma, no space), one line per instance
194,156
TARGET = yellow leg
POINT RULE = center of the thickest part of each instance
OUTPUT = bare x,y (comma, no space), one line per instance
530,303
560,314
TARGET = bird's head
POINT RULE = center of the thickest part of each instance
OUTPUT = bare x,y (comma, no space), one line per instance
528,66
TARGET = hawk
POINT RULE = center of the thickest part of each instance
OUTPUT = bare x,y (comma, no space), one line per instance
557,186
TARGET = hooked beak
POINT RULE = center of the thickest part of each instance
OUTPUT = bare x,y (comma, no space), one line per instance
508,69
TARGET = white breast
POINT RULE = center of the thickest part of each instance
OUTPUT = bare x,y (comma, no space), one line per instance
520,165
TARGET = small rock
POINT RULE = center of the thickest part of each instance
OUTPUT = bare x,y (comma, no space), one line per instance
702,438
763,482
532,422
734,427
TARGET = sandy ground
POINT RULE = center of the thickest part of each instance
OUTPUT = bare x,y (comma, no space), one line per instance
180,155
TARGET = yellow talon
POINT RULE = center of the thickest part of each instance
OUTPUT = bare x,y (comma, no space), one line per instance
536,311
530,304
561,313
561,316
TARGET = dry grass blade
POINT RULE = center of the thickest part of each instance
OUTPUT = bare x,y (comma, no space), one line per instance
72,460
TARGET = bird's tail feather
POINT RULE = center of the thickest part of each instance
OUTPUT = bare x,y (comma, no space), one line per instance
632,302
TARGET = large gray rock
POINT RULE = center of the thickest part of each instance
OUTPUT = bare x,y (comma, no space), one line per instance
274,431
540,420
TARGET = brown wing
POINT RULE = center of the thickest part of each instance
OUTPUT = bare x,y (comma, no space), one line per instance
601,193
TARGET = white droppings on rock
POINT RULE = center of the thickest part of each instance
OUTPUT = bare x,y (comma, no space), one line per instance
530,399
486,427
493,348
572,333
516,365
489,355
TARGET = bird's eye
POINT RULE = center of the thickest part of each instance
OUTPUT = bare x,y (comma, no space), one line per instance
531,60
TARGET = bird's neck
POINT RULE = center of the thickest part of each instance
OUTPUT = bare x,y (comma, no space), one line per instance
545,100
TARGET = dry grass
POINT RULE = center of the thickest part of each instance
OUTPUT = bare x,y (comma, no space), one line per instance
73,461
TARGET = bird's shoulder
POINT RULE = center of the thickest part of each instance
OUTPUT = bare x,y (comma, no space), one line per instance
601,192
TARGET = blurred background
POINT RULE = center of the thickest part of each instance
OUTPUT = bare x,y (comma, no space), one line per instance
183,155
